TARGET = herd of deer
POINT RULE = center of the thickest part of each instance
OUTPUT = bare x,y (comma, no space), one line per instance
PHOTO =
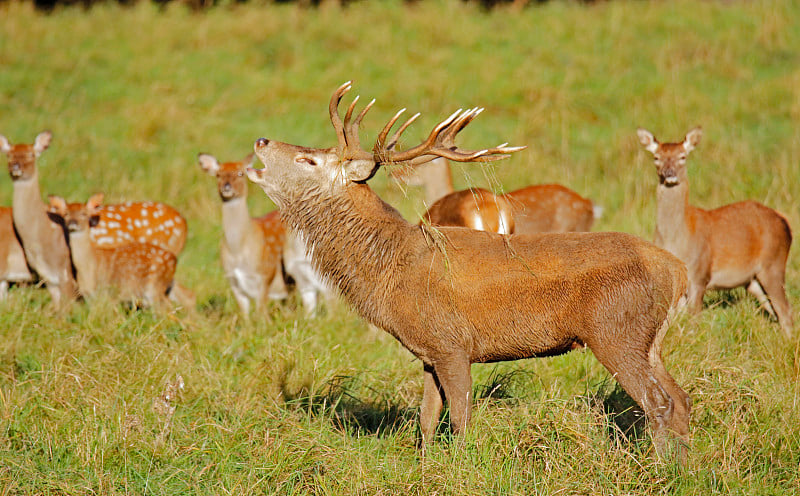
521,282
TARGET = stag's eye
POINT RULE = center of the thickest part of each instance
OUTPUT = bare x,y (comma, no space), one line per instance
305,160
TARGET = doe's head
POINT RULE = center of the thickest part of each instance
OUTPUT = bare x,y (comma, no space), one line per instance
670,158
22,157
78,217
231,180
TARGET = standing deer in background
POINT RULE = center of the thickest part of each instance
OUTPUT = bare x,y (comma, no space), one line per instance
141,273
42,239
537,208
741,244
456,296
13,266
251,247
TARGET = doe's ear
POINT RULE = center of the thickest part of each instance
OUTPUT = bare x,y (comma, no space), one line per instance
692,139
94,202
359,170
208,163
5,146
57,205
647,140
42,142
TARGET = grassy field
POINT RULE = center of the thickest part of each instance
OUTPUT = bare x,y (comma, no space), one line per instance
287,405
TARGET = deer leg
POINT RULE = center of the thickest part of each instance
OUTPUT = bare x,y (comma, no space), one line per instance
632,369
773,282
3,290
241,298
454,375
695,296
755,289
277,288
431,408
682,403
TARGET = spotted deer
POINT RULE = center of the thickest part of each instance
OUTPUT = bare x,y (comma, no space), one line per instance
456,296
536,208
137,272
43,240
13,266
140,222
740,244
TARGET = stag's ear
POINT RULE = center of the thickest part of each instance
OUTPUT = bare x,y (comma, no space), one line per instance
57,205
648,141
208,163
5,146
359,170
692,139
42,142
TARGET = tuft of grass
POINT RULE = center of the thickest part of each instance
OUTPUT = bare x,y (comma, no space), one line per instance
89,399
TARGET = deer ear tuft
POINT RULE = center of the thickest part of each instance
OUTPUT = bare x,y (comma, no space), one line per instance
647,140
692,139
208,163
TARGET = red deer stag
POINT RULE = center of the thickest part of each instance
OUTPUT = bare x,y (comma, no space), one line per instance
741,244
536,208
42,239
141,273
456,296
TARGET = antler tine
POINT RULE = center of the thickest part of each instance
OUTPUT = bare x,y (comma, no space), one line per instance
333,110
441,143
351,128
396,136
379,143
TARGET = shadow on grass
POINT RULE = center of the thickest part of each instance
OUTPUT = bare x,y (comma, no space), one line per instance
626,422
354,407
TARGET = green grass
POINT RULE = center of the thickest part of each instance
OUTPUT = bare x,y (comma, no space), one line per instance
288,405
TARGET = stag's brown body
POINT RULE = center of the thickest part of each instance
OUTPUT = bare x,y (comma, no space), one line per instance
740,244
455,296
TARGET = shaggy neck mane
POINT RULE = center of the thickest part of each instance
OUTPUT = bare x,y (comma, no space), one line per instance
358,242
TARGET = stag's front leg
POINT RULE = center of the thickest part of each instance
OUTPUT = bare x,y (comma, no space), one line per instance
431,408
453,373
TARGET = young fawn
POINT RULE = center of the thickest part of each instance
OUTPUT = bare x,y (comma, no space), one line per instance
138,272
741,244
456,296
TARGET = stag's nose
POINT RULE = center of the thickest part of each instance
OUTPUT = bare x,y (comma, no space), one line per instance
261,142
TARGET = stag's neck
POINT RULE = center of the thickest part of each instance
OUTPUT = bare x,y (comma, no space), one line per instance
357,241
85,259
437,178
236,222
672,228
28,209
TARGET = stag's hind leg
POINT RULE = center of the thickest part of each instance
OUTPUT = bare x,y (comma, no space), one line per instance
431,408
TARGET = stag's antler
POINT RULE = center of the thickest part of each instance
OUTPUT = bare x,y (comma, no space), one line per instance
440,142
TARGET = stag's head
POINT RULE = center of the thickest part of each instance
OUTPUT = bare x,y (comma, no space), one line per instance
22,157
292,171
670,158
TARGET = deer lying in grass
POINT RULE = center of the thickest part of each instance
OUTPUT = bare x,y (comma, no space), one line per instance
536,208
253,249
141,273
42,239
741,244
13,266
456,296
475,208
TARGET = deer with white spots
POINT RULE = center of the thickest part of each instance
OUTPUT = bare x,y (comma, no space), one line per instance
740,244
532,209
456,296
43,240
140,222
13,266
137,272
